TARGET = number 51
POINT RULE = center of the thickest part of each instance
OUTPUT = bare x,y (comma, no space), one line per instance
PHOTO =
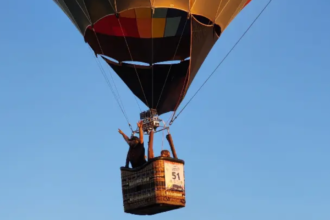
174,175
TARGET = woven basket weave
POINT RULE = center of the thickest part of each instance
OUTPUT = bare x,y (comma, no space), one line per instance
144,188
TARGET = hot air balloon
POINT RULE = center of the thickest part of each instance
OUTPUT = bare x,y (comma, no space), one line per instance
153,32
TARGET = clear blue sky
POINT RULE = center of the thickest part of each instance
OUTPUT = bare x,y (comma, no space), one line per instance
256,139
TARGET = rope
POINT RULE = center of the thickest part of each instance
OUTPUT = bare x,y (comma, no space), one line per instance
112,91
181,96
114,9
118,98
163,140
237,42
137,102
176,50
152,57
121,27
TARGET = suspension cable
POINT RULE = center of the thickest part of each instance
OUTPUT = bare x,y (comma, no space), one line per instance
152,56
137,74
163,139
118,98
237,42
104,74
137,102
169,70
112,90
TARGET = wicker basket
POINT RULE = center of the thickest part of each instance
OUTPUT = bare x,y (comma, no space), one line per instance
158,186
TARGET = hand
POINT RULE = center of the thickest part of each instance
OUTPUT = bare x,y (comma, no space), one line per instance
120,131
139,124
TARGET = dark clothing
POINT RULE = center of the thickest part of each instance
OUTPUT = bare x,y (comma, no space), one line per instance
135,155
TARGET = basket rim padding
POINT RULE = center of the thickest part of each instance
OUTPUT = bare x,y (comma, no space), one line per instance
151,161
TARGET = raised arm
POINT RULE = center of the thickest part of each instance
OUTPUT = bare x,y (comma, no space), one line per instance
124,135
140,131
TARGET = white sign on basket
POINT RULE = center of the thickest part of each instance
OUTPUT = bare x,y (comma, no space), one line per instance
174,176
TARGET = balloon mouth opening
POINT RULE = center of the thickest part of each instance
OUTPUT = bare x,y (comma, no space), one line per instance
167,62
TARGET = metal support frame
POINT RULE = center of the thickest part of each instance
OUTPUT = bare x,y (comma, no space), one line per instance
151,124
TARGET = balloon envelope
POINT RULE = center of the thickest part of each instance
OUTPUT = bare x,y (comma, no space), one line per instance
153,31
